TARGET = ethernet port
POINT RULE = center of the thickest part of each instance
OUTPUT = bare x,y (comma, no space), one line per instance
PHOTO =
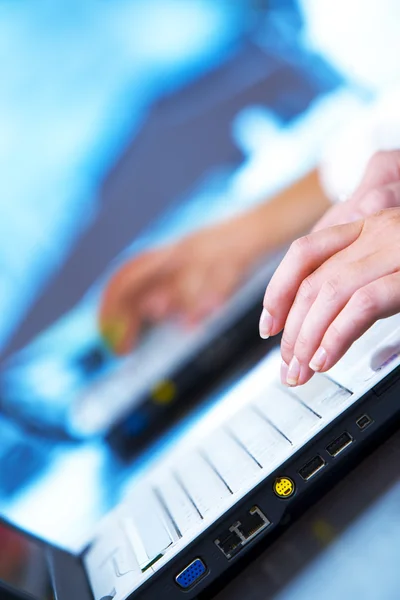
247,527
252,523
229,543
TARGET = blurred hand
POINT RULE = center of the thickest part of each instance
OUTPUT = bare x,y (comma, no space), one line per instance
335,283
190,278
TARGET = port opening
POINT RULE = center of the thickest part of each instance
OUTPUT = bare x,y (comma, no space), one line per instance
252,523
245,529
311,468
336,447
229,543
363,422
191,574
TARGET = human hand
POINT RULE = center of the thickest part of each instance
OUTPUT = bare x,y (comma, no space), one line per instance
330,288
190,278
377,191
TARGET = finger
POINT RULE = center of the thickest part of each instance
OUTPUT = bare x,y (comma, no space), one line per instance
217,285
382,169
191,286
377,300
151,306
127,330
335,291
133,277
380,198
292,277
119,314
159,301
338,215
330,278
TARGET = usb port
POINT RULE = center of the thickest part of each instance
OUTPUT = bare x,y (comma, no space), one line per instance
341,443
249,525
312,468
363,422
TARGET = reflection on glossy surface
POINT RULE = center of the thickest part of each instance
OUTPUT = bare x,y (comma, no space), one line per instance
23,565
262,108
64,133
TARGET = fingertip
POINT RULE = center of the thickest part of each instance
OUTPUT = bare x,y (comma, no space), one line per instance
284,372
305,375
114,332
318,361
297,373
266,324
123,348
293,372
127,341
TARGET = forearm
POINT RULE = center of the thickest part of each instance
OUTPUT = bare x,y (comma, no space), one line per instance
288,215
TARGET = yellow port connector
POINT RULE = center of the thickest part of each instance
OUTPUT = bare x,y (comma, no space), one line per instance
284,487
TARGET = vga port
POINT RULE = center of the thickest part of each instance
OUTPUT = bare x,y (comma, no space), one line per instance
191,574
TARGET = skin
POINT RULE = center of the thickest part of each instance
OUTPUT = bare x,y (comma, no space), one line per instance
196,275
334,283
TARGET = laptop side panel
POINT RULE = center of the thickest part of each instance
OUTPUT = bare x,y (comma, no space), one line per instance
256,519
68,576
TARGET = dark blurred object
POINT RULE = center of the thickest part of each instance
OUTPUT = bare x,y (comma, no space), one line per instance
23,567
92,360
21,458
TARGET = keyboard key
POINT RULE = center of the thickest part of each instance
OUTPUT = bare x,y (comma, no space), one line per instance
109,561
233,463
180,507
286,413
124,561
322,395
145,527
204,486
261,440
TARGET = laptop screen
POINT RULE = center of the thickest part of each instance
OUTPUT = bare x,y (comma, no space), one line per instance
128,125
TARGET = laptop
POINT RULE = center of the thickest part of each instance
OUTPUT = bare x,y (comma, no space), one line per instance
226,486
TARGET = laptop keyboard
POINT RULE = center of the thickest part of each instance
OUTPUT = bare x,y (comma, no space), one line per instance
201,479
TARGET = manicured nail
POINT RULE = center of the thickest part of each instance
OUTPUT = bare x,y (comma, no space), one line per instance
266,323
113,333
284,372
318,360
293,373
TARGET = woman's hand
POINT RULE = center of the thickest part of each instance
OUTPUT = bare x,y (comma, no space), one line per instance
335,283
190,278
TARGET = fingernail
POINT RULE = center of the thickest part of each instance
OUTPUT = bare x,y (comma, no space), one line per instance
113,333
266,322
293,373
318,360
284,371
